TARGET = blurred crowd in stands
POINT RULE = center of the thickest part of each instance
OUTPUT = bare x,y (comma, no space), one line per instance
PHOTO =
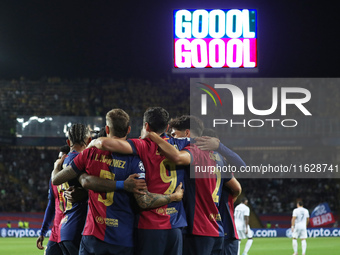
92,97
280,195
270,196
24,178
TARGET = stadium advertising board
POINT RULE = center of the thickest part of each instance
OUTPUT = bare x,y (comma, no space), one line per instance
258,232
19,232
215,39
282,232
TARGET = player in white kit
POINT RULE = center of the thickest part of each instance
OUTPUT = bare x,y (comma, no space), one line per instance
300,221
241,216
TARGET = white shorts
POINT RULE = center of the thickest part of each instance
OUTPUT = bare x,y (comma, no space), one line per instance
242,233
299,233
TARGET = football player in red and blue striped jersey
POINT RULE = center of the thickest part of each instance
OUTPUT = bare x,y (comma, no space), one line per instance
160,229
110,219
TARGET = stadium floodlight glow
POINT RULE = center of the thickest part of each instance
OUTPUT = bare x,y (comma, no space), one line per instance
215,39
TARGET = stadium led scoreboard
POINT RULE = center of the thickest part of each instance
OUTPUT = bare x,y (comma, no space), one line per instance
214,39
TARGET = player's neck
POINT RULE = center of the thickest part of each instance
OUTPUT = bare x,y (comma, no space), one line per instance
118,138
78,148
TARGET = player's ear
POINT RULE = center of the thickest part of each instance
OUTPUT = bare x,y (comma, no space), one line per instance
147,127
68,143
129,130
167,127
187,133
107,129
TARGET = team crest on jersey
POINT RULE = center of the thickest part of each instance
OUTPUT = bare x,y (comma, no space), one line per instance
64,220
141,166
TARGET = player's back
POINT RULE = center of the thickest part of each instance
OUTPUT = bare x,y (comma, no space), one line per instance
202,195
301,215
241,210
110,216
162,176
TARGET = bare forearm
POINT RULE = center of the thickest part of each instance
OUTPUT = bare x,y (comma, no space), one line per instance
169,151
152,200
246,220
61,176
235,194
235,188
97,184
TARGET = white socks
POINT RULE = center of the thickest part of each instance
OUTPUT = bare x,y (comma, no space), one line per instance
248,245
304,246
295,246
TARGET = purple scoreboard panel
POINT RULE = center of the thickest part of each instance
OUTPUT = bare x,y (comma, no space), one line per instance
218,39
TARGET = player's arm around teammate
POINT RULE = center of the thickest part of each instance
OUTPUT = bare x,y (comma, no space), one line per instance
169,151
144,198
131,184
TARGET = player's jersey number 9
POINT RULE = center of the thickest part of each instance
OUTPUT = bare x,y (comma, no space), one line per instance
168,175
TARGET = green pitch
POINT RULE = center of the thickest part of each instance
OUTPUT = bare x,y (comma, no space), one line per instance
283,246
261,246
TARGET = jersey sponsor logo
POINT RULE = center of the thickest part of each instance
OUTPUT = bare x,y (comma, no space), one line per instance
167,211
107,221
111,222
171,210
214,217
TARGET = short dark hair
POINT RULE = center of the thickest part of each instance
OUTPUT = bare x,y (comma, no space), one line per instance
78,134
300,203
157,118
194,124
118,121
244,199
65,149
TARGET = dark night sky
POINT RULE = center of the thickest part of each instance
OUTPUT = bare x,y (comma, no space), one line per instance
105,39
